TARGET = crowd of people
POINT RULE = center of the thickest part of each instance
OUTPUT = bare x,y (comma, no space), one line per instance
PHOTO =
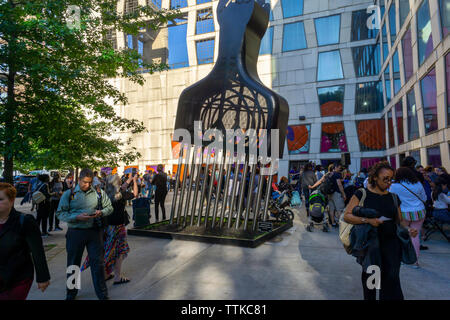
94,210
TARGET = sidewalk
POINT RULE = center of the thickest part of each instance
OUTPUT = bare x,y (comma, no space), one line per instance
294,265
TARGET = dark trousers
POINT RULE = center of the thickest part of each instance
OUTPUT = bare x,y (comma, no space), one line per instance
43,211
92,240
53,207
390,288
160,198
306,193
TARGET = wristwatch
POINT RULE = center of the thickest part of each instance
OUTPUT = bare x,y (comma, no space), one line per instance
363,220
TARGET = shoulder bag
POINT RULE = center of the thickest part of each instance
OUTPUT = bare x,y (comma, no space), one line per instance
38,197
345,228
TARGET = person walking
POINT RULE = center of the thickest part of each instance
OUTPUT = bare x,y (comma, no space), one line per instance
115,234
56,188
21,250
412,196
308,179
160,182
80,208
68,183
43,208
389,250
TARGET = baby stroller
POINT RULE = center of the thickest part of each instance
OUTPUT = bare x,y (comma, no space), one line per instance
317,215
278,204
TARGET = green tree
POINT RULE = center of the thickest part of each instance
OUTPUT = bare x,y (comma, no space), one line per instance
54,80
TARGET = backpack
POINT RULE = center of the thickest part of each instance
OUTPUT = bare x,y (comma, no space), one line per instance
346,228
327,186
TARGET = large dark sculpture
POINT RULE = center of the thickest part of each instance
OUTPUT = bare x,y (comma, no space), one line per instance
231,97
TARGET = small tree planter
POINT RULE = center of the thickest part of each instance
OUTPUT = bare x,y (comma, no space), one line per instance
208,234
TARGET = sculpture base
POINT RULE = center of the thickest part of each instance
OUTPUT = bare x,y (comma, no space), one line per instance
208,234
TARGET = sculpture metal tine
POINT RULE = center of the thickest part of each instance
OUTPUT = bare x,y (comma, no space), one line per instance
177,182
233,193
225,193
258,201
197,185
241,195
249,195
219,188
191,180
211,185
266,201
183,187
202,197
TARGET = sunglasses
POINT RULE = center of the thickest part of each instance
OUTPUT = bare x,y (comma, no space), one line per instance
387,180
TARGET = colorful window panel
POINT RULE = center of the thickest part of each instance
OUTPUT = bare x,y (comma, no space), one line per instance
413,122
392,24
371,135
424,32
329,66
331,100
445,16
333,138
407,55
298,138
369,162
366,60
434,156
359,30
399,120
428,87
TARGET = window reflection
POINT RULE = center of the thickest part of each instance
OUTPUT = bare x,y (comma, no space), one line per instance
428,87
434,156
447,70
177,44
156,3
331,100
205,21
445,16
327,30
399,121
174,4
407,55
266,42
333,138
390,131
298,138
413,122
371,135
369,97
424,34
294,36
359,26
205,51
329,66
404,11
396,70
292,8
366,60
392,25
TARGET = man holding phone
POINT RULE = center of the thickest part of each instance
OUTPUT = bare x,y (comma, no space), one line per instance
78,207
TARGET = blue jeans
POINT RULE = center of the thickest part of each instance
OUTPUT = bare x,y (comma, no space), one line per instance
442,215
92,240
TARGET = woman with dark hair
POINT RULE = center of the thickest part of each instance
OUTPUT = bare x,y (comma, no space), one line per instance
43,208
21,250
116,246
441,200
413,197
380,199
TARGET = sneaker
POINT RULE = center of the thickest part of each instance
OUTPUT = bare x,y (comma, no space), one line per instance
415,266
50,229
58,229
423,247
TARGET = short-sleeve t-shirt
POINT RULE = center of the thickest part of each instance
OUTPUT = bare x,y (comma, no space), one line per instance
385,205
335,176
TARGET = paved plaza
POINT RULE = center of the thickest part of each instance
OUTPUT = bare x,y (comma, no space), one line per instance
294,265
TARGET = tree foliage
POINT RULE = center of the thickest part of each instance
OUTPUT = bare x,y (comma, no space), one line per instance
56,101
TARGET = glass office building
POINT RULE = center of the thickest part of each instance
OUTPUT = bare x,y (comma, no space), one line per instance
374,85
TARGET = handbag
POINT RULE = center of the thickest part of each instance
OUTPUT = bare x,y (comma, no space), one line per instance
38,197
345,228
408,252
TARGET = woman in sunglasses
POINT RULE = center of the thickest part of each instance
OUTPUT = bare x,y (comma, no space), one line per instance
380,199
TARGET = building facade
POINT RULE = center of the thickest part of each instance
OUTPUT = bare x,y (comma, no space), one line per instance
334,62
